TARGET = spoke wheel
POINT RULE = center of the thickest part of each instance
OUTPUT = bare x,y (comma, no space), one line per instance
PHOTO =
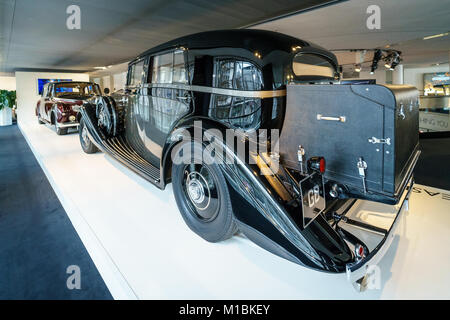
85,141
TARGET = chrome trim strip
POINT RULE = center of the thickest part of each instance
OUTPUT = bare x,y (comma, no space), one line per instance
227,92
67,124
408,174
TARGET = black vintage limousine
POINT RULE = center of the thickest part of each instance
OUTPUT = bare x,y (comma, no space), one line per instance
338,148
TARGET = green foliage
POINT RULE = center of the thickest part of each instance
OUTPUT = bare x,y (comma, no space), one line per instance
7,98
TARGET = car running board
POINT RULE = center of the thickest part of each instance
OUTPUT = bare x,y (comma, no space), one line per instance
120,150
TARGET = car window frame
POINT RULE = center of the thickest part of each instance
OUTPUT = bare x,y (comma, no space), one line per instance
315,77
151,61
130,74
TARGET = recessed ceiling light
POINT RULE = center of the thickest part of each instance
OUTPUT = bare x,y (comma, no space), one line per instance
436,36
100,68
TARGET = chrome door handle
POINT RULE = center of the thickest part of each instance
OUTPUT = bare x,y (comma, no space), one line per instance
340,119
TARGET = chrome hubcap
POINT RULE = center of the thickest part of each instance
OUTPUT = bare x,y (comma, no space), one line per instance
195,191
200,190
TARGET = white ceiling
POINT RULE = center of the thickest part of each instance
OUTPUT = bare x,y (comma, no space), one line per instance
404,23
33,34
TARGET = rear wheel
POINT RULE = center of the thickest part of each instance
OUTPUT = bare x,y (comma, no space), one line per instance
202,195
85,141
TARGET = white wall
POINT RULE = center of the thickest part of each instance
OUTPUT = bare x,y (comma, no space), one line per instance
27,91
113,77
120,80
7,83
414,76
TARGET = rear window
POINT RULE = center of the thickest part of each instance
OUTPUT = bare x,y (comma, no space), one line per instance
307,65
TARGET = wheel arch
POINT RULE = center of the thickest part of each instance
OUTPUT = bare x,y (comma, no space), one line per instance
175,138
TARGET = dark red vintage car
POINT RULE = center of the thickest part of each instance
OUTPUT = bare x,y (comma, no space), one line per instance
61,101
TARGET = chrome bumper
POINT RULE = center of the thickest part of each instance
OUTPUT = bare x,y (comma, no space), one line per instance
67,124
358,273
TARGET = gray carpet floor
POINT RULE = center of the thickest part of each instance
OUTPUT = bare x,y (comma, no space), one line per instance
37,240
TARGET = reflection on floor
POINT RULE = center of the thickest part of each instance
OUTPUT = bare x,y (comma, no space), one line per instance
37,241
143,249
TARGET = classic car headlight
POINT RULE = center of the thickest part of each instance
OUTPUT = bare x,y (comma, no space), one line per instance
72,118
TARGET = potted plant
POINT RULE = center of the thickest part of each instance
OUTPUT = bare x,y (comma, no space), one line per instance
7,102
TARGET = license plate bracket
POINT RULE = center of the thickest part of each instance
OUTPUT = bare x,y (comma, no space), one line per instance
312,191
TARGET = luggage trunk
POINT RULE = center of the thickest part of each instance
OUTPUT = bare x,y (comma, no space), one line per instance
345,123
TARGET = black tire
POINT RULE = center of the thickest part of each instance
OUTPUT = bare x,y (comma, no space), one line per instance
215,221
86,143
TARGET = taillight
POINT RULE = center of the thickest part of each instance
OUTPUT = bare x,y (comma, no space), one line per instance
317,164
360,252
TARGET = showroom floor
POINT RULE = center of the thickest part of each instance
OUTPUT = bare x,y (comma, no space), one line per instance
37,240
142,248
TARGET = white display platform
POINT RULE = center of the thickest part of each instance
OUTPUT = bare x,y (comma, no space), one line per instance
143,249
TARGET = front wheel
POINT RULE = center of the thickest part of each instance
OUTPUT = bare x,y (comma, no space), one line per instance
202,194
85,141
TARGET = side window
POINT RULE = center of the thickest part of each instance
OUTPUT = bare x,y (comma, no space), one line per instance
162,68
240,112
136,72
179,68
312,65
169,68
238,75
168,104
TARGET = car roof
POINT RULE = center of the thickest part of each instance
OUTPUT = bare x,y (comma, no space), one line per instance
65,82
261,41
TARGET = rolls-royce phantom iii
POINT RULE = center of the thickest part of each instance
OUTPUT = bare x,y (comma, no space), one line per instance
60,103
257,135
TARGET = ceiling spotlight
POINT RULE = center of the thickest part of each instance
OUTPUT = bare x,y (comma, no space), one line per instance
358,68
392,60
376,58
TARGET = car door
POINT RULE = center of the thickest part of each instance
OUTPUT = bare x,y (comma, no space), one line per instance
137,109
167,98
